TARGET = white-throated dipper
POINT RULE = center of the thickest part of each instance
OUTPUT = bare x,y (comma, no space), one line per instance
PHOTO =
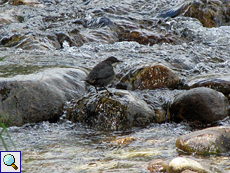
103,73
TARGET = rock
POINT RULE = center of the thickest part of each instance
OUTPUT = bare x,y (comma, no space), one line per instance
201,106
124,141
130,32
150,77
39,97
180,164
218,82
209,13
120,112
124,31
157,165
6,17
33,3
29,42
213,140
3,1
188,171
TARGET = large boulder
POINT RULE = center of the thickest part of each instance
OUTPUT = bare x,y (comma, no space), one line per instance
201,106
121,111
39,97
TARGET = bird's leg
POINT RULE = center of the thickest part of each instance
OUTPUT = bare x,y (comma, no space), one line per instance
96,89
108,91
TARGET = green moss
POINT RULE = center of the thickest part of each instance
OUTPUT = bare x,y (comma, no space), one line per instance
13,70
2,58
212,150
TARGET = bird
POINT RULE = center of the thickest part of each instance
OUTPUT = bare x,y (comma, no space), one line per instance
103,73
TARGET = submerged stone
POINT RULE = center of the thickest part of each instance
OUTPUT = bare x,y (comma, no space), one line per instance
124,141
38,97
157,165
213,140
201,106
120,112
33,3
150,77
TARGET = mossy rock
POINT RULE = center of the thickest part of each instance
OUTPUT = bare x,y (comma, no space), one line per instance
150,77
118,112
213,140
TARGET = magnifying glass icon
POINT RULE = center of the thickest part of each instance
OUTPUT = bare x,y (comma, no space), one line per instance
9,160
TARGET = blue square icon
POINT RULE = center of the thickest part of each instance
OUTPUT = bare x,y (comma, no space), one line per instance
10,161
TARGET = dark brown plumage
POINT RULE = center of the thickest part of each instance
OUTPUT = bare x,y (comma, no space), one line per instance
103,73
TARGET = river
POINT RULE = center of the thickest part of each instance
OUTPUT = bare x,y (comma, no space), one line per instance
37,35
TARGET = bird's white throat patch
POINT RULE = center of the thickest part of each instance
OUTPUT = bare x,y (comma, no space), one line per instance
114,64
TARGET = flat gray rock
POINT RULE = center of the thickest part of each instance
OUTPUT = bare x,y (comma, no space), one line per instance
39,97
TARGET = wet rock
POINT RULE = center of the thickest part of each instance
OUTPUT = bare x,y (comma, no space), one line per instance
189,171
124,141
61,37
38,97
106,30
180,164
26,2
118,112
213,140
29,42
212,13
144,36
157,165
7,17
3,1
217,82
201,106
99,30
12,40
150,77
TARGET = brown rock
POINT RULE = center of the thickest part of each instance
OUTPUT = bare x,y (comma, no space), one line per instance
202,106
214,140
217,82
157,165
150,77
124,141
212,13
119,112
32,3
143,36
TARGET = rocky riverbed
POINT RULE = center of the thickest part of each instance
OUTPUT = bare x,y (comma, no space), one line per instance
170,101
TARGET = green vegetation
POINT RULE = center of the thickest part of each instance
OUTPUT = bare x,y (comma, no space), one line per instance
3,141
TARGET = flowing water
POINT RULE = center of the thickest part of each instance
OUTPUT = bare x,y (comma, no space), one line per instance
36,35
68,147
